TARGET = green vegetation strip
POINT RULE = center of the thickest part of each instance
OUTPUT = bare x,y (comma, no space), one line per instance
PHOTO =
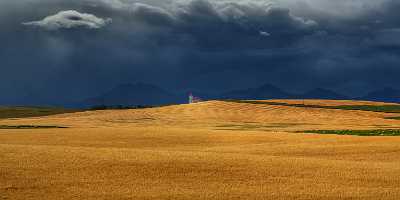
28,127
373,108
21,112
396,118
381,132
256,126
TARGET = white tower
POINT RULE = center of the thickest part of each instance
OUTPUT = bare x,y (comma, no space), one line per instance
191,98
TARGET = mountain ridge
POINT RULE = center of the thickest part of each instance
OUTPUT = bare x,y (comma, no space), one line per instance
147,94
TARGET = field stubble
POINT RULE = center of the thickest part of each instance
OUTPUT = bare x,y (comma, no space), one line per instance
209,150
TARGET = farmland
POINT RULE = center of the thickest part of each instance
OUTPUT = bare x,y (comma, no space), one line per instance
207,150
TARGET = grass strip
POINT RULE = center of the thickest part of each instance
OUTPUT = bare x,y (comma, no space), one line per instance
378,132
396,118
28,127
22,112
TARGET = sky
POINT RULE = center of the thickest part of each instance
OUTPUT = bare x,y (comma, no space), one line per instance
58,50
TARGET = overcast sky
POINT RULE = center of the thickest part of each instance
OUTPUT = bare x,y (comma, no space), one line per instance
66,50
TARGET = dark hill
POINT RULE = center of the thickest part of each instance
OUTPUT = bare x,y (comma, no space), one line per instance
265,91
385,95
134,94
320,93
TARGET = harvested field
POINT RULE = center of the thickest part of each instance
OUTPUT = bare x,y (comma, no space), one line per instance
208,150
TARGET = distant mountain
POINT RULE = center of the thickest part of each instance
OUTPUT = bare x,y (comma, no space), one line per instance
320,93
268,91
265,91
385,95
134,94
147,94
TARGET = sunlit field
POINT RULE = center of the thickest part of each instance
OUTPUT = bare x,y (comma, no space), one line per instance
208,150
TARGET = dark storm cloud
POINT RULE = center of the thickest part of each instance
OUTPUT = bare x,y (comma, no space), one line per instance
203,44
213,24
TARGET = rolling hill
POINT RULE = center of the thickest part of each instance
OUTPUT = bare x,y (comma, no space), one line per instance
213,150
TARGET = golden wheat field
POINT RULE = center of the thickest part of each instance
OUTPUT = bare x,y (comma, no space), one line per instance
207,150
